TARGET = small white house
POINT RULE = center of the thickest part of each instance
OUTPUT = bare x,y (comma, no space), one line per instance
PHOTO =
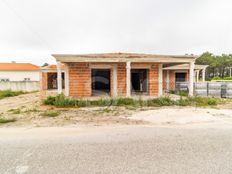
19,76
18,72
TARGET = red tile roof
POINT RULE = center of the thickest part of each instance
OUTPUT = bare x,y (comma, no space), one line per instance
18,67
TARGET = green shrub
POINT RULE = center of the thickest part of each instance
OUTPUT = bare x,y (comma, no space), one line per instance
162,101
50,100
62,101
204,101
10,93
228,78
124,102
216,78
15,111
183,102
4,120
219,78
50,114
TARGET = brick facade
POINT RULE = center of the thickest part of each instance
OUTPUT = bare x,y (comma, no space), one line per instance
44,84
172,78
80,78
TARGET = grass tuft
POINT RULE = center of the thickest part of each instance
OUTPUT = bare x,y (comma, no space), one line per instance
62,101
9,93
50,114
4,120
15,111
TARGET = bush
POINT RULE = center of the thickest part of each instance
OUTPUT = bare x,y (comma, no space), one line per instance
162,101
50,100
62,101
15,111
216,78
10,93
4,120
204,101
219,78
228,78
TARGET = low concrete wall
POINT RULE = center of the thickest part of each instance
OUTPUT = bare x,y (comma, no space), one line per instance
26,86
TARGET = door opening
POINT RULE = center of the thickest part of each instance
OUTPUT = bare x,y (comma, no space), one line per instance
100,82
139,81
180,77
52,80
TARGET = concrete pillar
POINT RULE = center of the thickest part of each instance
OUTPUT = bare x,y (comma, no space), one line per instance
66,80
203,75
160,80
128,79
197,76
191,78
115,81
59,78
168,80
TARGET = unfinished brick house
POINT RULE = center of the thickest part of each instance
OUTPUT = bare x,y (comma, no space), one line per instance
49,77
123,74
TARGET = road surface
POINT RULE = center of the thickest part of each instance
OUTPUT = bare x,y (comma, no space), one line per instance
122,149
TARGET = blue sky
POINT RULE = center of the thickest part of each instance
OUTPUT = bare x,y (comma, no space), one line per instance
32,30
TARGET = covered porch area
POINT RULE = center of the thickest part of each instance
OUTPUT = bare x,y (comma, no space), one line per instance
118,74
179,74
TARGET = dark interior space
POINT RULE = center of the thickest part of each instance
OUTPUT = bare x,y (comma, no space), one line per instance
52,80
139,81
180,77
100,82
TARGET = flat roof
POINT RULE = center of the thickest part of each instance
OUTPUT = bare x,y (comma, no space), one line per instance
123,57
185,67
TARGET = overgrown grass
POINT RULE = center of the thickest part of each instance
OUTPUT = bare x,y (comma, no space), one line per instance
9,93
15,111
62,101
5,120
50,114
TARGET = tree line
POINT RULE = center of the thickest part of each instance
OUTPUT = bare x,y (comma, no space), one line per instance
220,66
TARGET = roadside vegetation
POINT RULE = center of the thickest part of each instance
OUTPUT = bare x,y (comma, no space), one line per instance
220,78
50,114
6,120
62,101
10,93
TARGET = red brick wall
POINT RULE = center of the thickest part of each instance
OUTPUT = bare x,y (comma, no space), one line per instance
44,80
80,79
172,79
153,80
121,79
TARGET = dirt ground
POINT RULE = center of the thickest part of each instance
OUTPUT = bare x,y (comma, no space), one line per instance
28,111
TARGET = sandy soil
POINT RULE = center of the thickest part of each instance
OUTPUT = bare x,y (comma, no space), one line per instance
29,114
186,115
27,100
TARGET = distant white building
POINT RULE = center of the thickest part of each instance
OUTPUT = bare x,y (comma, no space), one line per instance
19,77
18,72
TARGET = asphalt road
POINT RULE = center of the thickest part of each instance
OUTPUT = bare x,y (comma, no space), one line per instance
124,150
